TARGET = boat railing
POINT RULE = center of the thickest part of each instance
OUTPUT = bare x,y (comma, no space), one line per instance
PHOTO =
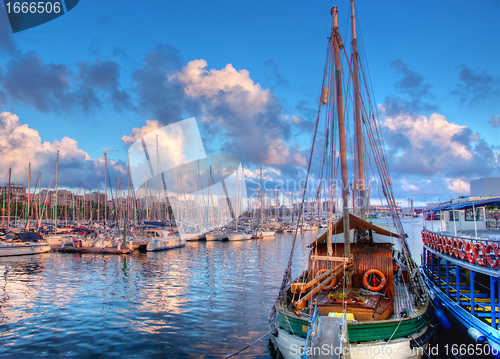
466,295
480,251
312,327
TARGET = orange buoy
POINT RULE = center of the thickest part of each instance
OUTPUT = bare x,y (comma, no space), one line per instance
330,284
492,263
471,251
378,273
480,261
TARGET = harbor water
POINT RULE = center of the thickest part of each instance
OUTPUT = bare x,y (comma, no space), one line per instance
206,300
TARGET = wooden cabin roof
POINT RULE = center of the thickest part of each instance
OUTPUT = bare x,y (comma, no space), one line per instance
354,223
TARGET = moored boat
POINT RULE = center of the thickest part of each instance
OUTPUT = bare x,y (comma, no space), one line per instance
161,240
461,266
359,291
26,243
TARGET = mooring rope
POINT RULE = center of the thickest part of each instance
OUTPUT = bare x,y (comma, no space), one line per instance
249,345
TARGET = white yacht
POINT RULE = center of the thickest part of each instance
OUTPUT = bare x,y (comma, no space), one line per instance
26,243
161,240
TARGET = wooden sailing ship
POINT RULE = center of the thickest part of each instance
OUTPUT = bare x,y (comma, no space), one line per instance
360,290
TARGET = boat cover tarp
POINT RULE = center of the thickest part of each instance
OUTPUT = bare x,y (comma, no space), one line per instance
30,237
493,202
157,224
354,222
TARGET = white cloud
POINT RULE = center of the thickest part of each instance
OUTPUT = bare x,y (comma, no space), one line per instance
435,129
21,145
244,97
247,115
458,186
139,132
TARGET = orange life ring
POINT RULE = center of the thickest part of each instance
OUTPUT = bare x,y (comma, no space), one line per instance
471,251
330,284
382,280
460,249
450,246
492,263
107,238
480,261
454,248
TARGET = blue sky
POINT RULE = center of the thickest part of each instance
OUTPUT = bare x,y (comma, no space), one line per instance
83,76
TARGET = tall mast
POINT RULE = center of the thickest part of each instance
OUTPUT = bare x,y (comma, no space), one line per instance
8,198
28,205
360,173
261,200
39,197
337,46
57,170
105,189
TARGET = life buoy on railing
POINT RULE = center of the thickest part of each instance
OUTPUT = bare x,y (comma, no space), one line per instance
107,238
448,245
480,249
442,244
470,250
492,263
379,274
454,249
330,284
460,249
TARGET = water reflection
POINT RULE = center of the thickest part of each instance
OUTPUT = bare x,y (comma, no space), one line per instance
205,300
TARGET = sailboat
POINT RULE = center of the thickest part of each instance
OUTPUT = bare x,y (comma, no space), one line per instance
360,294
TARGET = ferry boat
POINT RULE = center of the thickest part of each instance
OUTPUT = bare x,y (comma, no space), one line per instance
461,266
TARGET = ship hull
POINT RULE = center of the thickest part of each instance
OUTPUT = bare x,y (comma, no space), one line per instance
367,339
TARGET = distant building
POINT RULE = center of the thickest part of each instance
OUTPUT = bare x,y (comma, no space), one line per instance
14,188
383,209
485,187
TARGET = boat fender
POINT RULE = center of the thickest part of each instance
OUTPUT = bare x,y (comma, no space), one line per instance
476,335
437,303
442,318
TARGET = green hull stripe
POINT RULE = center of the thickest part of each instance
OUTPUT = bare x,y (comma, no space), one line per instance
369,332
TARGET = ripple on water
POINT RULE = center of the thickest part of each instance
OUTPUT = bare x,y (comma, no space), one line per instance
202,301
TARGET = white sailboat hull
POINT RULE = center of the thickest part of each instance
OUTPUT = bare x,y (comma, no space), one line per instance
267,233
291,347
21,249
164,244
238,236
214,236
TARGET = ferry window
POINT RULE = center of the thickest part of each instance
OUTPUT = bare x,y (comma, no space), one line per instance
454,216
469,214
